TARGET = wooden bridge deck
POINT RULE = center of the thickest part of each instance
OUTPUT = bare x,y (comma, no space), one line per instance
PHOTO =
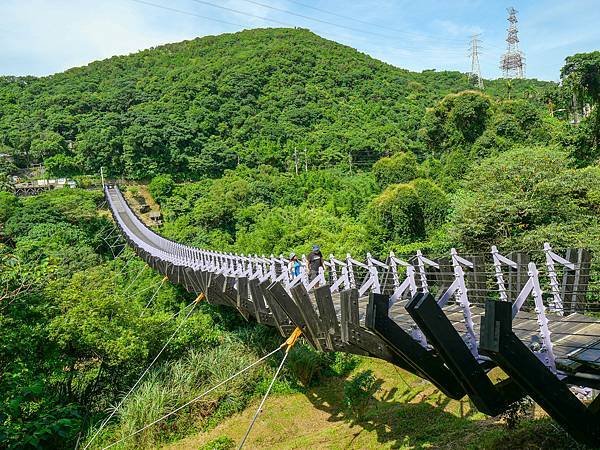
572,334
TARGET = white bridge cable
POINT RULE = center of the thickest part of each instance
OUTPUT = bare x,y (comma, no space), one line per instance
264,399
195,399
177,313
127,259
155,293
135,278
141,376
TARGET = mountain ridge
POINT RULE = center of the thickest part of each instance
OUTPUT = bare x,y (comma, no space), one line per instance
198,107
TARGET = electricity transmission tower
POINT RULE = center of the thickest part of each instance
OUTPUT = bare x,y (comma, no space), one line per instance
475,68
513,61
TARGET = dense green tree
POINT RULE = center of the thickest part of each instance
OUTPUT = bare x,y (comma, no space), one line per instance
399,168
581,75
200,107
8,205
61,165
514,193
48,143
457,120
396,216
161,187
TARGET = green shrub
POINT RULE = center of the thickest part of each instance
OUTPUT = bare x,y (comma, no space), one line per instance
396,215
307,364
399,168
220,443
161,187
358,391
343,363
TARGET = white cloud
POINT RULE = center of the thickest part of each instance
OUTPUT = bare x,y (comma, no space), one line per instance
60,34
455,29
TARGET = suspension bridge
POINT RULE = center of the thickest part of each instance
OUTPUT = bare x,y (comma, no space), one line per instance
449,320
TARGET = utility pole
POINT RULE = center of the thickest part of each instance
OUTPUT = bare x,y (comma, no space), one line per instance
296,159
350,160
513,60
475,68
305,160
575,110
102,175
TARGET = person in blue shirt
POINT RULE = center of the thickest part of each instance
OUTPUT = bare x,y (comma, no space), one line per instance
294,265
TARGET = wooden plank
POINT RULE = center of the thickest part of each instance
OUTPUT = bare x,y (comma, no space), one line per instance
568,279
328,316
261,312
519,277
488,398
243,296
516,359
387,279
214,291
307,310
581,281
220,282
288,305
282,322
230,291
446,275
192,280
349,312
411,355
476,279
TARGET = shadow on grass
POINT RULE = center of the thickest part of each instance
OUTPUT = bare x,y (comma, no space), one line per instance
420,416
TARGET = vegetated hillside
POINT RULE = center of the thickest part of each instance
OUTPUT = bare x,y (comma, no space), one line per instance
197,107
78,326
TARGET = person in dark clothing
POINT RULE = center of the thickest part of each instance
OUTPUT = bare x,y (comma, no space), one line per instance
314,262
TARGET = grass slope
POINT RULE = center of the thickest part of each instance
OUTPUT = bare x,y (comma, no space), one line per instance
405,412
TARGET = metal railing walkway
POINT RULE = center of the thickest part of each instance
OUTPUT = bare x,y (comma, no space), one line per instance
449,320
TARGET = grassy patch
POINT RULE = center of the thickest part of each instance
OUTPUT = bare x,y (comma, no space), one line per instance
390,408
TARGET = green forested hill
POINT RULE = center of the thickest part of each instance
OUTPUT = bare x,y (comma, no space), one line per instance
460,168
196,107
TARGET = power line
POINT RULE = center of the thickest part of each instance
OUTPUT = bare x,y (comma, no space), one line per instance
200,16
278,22
187,13
286,24
314,19
326,22
342,16
237,11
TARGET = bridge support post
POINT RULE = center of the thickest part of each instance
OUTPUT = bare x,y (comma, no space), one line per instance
499,342
489,399
424,362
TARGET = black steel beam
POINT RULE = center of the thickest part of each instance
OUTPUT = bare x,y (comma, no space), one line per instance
489,399
425,362
499,342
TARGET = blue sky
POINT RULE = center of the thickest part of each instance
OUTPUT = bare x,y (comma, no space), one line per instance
40,37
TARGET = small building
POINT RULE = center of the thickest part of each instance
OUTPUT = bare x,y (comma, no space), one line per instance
156,217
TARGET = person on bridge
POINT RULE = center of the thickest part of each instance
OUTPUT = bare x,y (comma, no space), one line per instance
294,265
315,262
